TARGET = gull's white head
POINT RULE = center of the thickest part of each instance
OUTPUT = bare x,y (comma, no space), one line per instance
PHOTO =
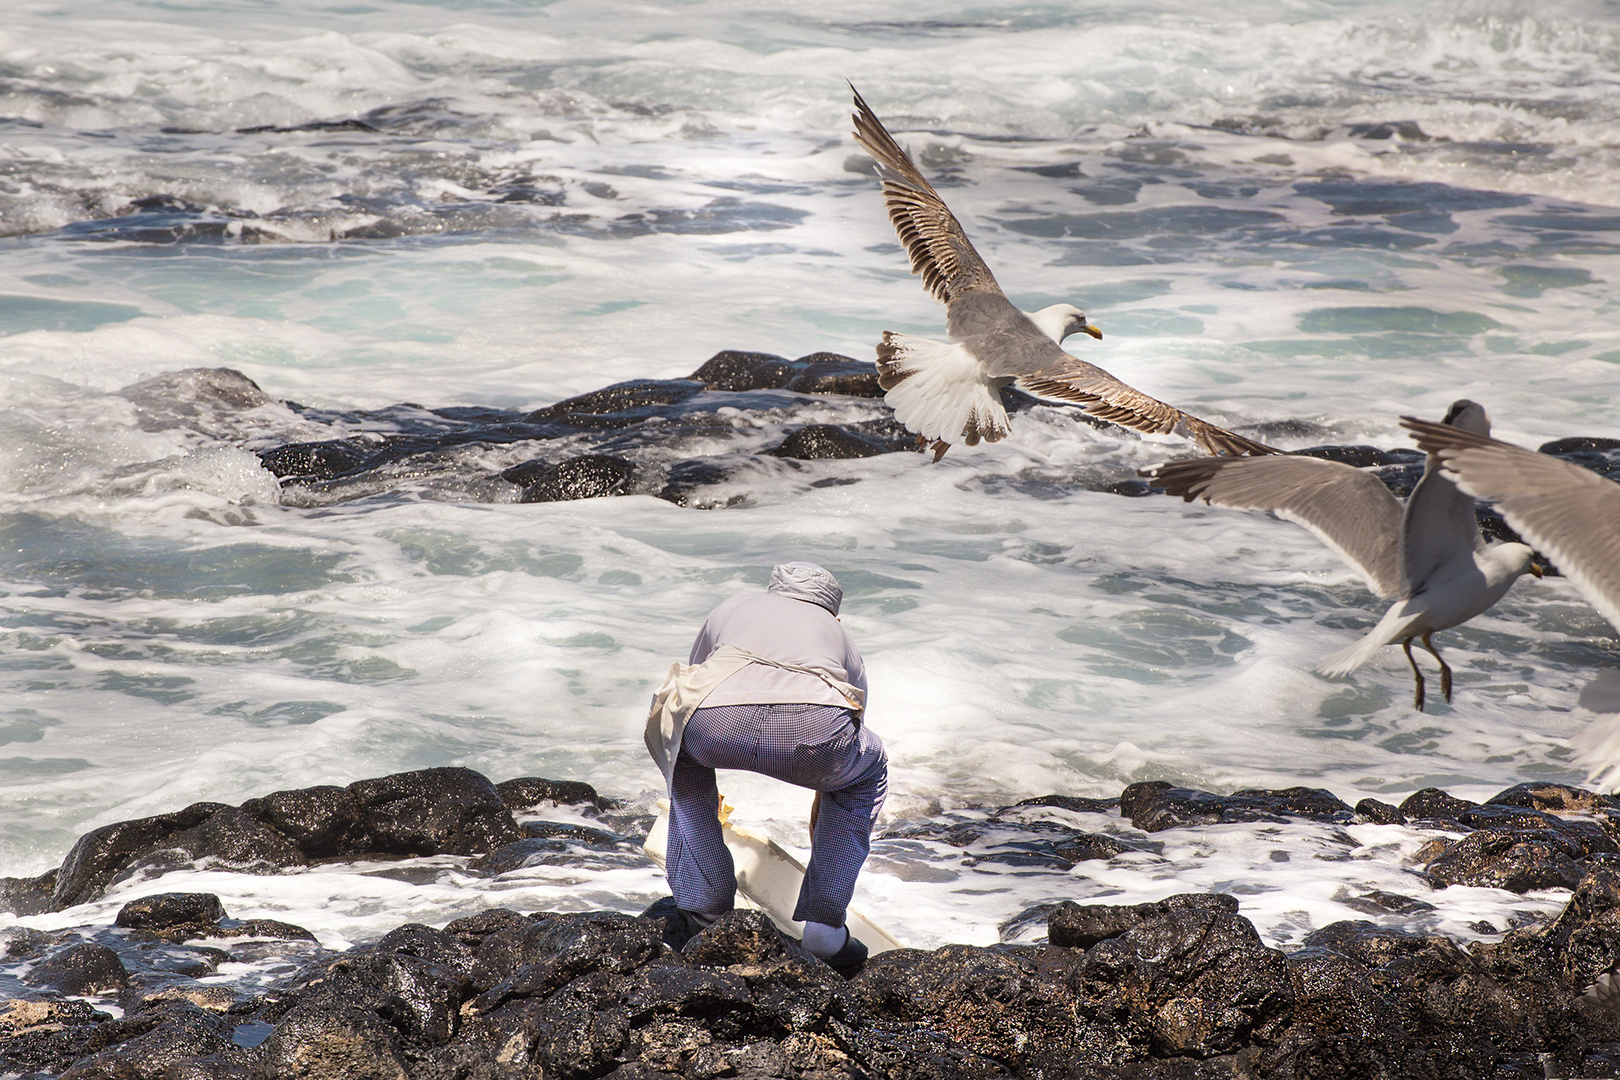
1512,561
1468,415
1060,320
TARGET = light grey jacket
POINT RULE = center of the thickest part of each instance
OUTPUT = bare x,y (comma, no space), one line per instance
788,631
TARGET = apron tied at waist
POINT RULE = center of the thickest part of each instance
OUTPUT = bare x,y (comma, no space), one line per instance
687,685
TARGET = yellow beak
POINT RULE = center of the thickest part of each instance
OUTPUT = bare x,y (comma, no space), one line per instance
1093,331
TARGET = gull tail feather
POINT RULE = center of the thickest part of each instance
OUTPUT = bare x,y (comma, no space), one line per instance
1396,625
938,390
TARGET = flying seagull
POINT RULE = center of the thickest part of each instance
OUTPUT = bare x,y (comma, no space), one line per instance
1572,515
1428,557
944,391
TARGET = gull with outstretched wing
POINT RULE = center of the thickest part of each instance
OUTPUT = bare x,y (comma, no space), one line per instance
1572,516
1427,556
945,391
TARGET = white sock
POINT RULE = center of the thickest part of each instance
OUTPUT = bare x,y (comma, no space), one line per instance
823,940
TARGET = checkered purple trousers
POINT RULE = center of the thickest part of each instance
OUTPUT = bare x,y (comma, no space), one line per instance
822,747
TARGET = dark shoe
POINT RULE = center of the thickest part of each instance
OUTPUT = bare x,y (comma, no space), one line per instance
695,921
680,926
848,960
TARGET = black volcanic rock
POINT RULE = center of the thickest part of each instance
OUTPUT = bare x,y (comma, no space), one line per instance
234,836
1366,942
1582,943
318,460
616,405
1073,802
592,476
1157,805
27,896
987,1011
1432,804
1078,926
342,1033
452,811
1379,813
819,442
831,373
172,1039
557,949
473,930
1517,860
1549,796
817,373
424,972
85,968
101,854
1360,456
48,1036
323,821
1343,1023
170,912
527,792
1179,989
1194,982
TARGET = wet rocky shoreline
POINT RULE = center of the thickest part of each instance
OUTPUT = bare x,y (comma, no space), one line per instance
743,428
1180,988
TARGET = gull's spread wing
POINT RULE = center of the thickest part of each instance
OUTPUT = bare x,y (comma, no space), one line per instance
1350,510
1569,514
1439,525
1068,378
939,249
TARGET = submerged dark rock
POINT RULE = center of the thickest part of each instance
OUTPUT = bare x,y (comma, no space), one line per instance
817,373
527,792
818,442
592,476
1432,804
80,969
1158,805
167,912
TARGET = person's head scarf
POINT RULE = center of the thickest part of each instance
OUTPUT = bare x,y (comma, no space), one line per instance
807,581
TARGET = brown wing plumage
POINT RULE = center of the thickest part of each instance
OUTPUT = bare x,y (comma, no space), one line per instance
1109,399
940,252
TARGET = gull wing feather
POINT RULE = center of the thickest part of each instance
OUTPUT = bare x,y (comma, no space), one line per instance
1068,378
1438,527
940,252
1348,509
1570,514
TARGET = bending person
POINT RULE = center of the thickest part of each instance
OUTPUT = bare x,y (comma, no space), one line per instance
775,687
